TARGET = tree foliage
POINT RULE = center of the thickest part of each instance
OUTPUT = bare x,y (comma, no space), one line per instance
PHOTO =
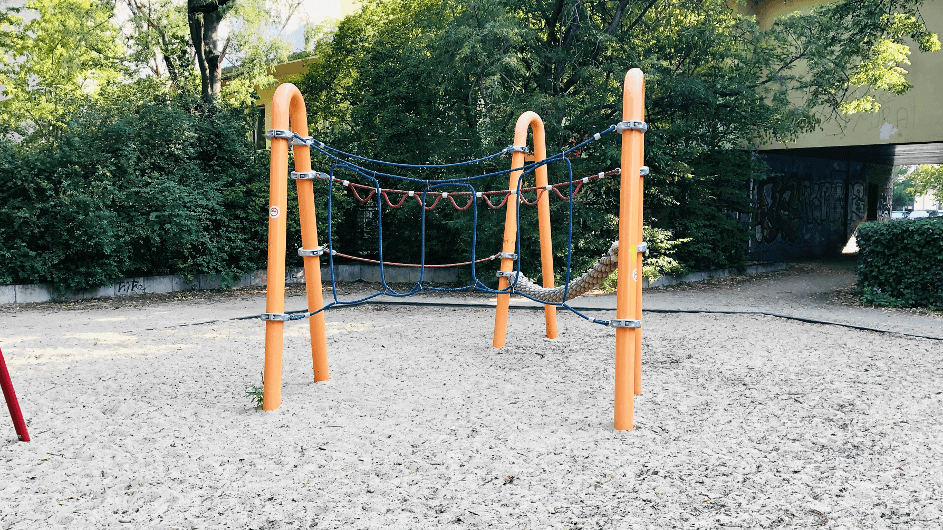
927,178
902,197
161,41
427,81
172,38
53,63
56,55
249,33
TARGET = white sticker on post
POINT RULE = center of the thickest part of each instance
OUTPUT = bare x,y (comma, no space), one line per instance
635,275
274,212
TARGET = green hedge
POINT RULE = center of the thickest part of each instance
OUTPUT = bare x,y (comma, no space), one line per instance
168,186
154,188
901,263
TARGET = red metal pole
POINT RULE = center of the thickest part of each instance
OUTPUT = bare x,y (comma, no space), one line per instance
12,403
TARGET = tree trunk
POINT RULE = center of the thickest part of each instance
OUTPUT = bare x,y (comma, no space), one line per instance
204,19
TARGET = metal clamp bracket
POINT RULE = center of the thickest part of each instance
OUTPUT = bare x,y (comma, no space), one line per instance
642,171
631,125
301,140
517,149
309,175
275,317
506,274
313,252
507,255
642,247
625,323
279,133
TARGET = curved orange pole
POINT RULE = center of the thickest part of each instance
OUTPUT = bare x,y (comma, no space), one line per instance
628,284
288,107
528,120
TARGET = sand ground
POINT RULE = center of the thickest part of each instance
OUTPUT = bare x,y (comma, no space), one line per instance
140,419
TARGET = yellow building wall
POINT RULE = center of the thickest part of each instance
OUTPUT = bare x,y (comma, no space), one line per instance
767,11
914,117
284,73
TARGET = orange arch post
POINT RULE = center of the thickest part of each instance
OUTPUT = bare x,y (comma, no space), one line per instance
288,107
629,277
528,120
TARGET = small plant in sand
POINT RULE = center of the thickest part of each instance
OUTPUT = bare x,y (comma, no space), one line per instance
254,392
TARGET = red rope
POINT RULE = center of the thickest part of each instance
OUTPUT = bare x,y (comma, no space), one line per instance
525,201
437,199
471,200
372,191
387,198
579,184
492,206
471,195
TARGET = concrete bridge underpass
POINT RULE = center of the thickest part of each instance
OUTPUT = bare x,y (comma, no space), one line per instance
821,187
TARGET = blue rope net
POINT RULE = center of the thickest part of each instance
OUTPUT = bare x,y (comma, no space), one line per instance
342,160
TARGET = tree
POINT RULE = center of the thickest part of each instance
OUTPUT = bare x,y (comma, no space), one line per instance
203,19
161,39
248,34
255,43
53,63
423,81
902,198
928,178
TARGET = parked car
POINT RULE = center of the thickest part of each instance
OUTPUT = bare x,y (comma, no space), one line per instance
919,214
898,215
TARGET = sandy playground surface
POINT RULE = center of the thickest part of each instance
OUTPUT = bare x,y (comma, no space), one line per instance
745,422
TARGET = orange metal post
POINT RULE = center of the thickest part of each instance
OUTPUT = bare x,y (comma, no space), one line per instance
288,105
309,240
543,216
275,277
628,277
528,120
639,237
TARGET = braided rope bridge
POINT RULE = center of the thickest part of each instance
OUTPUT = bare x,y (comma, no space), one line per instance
460,192
590,280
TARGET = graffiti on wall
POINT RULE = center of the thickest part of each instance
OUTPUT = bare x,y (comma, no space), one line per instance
858,203
130,286
811,206
884,201
787,204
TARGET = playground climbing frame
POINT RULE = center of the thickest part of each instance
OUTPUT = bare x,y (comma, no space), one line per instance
288,108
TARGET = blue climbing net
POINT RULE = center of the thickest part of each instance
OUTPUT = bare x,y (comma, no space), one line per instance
341,160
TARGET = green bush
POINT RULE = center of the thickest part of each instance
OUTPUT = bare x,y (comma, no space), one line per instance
155,187
660,260
901,263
